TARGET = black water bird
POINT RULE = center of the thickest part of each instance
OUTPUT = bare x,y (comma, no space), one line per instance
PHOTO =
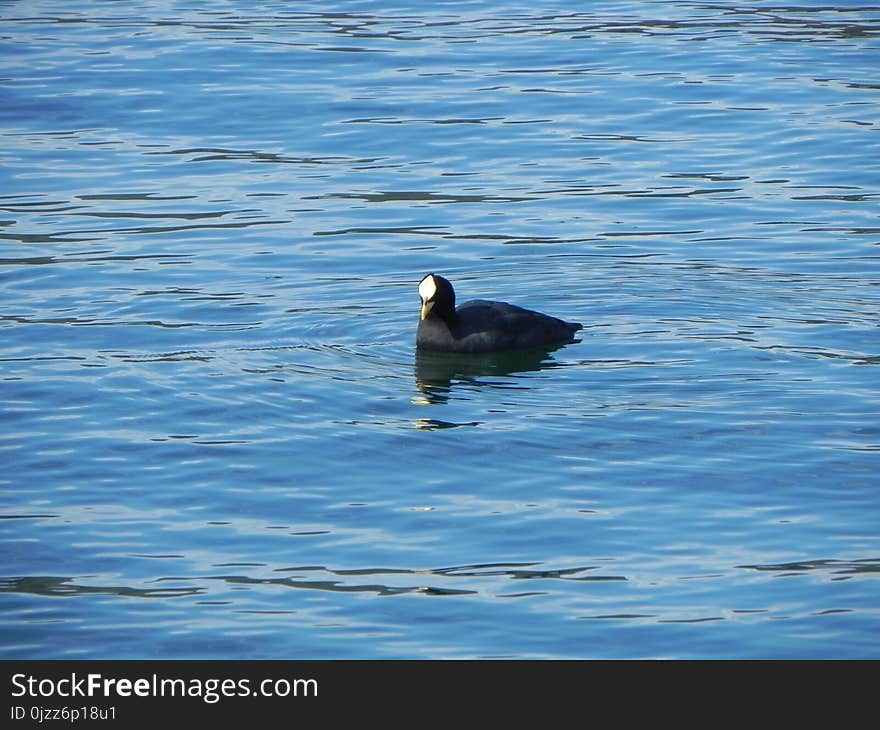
480,326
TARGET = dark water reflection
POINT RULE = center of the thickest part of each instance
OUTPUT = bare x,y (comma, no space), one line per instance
437,373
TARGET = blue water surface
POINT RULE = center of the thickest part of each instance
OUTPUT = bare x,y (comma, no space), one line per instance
218,440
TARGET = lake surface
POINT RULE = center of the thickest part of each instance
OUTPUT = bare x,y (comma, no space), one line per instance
217,440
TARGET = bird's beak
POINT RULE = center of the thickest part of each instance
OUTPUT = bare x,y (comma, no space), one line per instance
426,308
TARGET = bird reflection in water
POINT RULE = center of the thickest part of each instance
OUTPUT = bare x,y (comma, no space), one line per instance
438,373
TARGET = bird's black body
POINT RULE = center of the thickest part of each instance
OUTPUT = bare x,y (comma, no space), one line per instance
481,326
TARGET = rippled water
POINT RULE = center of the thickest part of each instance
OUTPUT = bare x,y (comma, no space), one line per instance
218,440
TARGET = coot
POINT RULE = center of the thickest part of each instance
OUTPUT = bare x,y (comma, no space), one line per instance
482,326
